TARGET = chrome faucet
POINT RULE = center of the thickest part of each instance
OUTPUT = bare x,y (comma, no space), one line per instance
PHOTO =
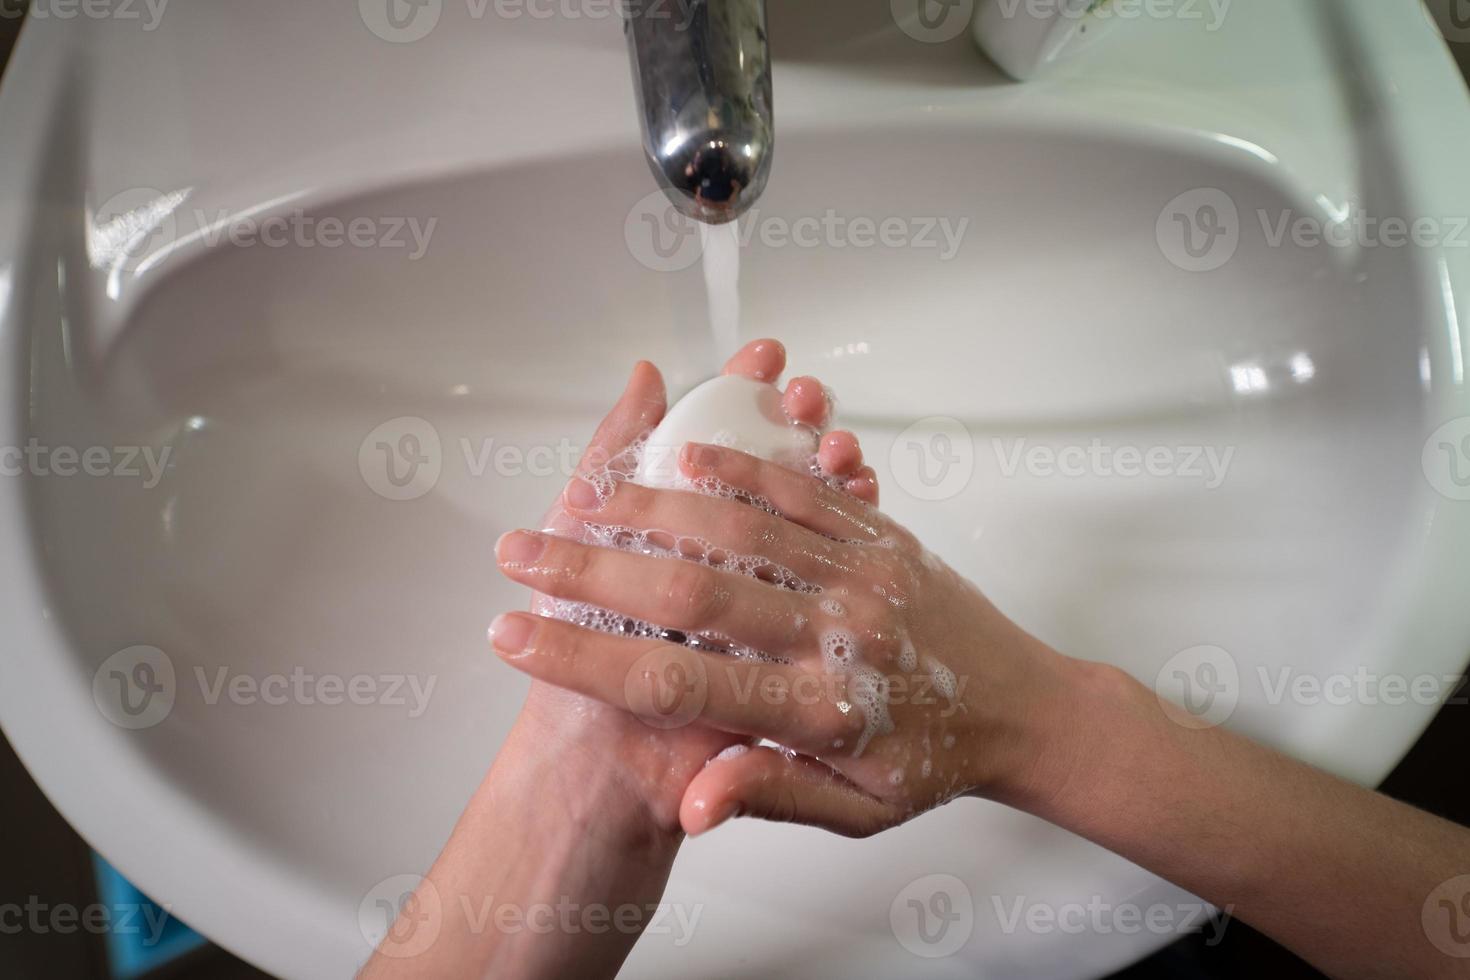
702,76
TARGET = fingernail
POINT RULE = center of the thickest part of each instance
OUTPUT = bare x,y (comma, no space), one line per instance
581,495
510,634
701,455
519,547
725,813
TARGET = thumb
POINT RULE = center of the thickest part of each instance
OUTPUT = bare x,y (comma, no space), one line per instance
772,785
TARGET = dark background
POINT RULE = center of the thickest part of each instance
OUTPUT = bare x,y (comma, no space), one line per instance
41,855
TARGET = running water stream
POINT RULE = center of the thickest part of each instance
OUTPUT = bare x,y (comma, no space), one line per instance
722,285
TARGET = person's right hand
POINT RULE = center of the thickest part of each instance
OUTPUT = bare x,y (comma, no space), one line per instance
970,697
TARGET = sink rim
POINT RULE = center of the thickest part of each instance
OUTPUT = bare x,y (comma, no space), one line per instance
47,732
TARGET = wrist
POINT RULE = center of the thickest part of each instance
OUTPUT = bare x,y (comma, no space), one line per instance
1081,719
570,748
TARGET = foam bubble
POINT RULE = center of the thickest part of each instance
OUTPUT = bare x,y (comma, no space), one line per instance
868,689
832,607
945,684
908,657
666,544
838,651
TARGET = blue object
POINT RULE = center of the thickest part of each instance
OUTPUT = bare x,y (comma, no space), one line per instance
141,934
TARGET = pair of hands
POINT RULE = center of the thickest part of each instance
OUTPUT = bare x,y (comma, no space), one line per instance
898,686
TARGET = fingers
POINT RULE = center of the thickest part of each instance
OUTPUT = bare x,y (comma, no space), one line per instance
839,454
671,686
807,402
679,595
799,497
763,360
640,408
762,782
730,524
864,486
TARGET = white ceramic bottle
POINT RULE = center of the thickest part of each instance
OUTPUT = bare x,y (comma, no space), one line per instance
1025,37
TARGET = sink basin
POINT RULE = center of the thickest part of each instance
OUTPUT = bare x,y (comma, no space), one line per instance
255,676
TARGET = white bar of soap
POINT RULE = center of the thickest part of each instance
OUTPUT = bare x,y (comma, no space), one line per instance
732,411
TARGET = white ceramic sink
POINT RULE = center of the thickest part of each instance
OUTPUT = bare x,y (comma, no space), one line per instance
1324,536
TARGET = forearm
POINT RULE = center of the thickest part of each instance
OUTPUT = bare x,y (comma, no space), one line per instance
1337,873
551,871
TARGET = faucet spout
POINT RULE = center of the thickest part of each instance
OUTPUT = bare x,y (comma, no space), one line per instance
702,76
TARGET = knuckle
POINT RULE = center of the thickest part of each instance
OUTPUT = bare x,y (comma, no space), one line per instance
572,561
691,594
